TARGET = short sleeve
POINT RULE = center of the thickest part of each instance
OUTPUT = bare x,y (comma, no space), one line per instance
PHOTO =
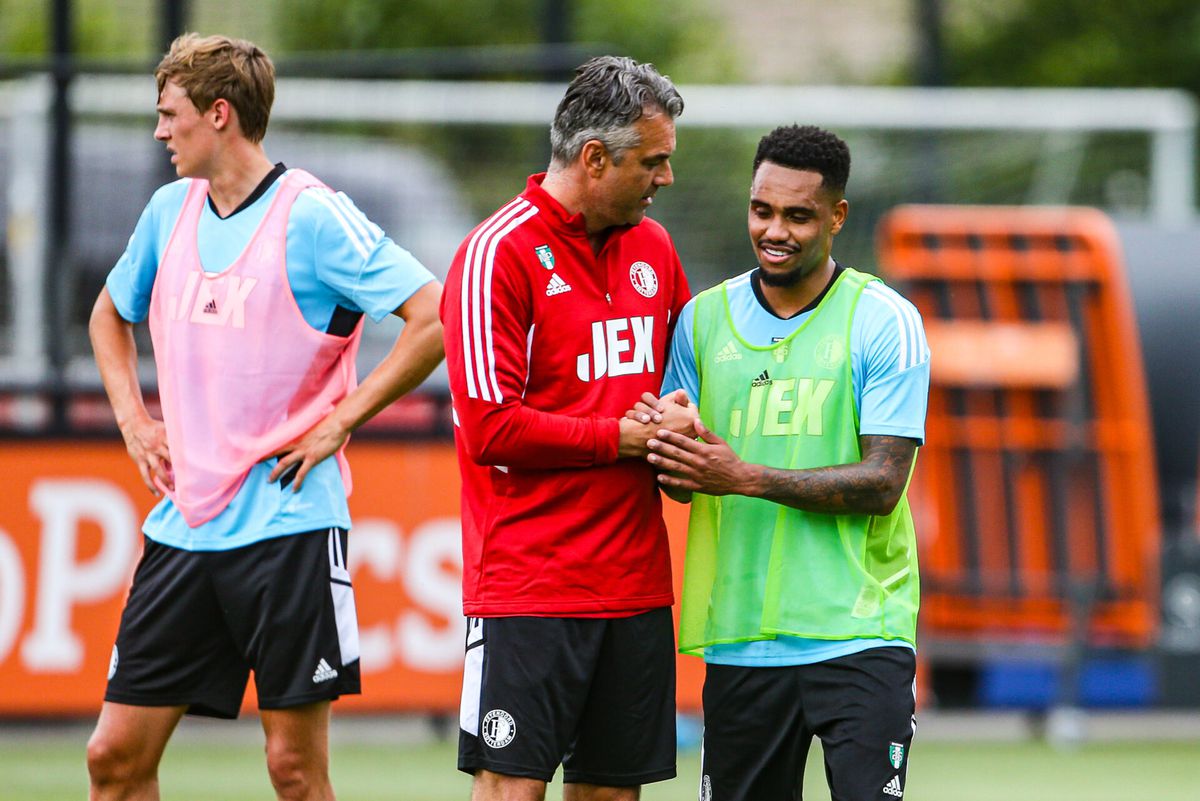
892,371
355,259
681,372
131,281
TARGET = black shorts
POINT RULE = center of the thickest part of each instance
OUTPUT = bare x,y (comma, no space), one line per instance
197,622
760,721
596,695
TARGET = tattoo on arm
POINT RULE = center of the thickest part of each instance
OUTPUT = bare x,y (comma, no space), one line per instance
871,486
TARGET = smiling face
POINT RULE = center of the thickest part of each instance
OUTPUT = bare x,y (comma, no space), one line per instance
188,133
792,222
624,191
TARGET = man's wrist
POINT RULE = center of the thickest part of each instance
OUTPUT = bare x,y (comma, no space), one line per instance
632,437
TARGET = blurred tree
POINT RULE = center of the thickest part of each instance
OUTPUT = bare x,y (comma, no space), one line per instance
1154,43
682,37
102,28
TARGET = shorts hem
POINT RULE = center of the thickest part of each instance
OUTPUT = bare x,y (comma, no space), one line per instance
470,767
621,780
194,708
606,608
291,701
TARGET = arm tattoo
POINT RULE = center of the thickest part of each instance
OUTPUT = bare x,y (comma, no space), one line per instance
871,486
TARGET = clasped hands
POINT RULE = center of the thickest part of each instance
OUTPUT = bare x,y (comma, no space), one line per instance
687,455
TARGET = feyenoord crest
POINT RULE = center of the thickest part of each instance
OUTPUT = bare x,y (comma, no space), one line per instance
896,755
644,279
498,728
545,256
830,352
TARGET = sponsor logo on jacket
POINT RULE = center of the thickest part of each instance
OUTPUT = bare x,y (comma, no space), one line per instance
624,346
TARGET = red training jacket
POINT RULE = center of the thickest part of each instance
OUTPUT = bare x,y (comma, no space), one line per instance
548,344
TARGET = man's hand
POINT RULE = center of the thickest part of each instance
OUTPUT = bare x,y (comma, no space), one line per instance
301,455
412,358
673,411
116,358
640,424
146,441
707,465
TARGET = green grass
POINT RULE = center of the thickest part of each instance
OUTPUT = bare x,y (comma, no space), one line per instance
39,766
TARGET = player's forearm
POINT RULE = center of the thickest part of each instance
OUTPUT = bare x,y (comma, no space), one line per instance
873,486
514,435
116,359
416,352
842,489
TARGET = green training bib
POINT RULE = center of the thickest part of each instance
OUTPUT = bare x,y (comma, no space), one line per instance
756,569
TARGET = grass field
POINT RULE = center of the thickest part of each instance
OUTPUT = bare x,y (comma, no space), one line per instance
41,765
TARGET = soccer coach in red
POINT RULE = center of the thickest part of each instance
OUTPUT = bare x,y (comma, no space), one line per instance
557,312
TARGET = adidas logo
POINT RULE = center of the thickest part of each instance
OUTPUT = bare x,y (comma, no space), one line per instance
557,286
210,307
893,787
324,672
763,380
729,353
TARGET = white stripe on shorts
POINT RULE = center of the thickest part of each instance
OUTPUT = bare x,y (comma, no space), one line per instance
344,610
472,691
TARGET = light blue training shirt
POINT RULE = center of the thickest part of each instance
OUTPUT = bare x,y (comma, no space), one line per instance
890,372
336,257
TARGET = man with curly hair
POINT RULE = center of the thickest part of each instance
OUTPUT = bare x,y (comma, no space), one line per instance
800,584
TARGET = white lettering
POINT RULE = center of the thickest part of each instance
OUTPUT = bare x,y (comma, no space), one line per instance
231,309
428,634
599,349
62,504
643,342
12,594
617,346
375,547
235,300
611,342
177,307
433,579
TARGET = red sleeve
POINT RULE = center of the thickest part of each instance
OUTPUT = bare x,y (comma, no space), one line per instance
486,335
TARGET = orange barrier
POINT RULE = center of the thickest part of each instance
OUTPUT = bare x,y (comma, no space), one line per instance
1035,494
69,541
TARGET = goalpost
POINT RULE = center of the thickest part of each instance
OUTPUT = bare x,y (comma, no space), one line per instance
1104,147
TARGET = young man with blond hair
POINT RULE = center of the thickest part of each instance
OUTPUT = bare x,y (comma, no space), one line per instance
254,280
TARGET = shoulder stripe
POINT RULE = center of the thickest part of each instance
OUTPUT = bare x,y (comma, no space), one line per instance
325,198
469,289
370,231
909,331
476,297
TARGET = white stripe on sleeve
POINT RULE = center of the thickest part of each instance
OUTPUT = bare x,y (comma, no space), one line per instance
371,232
478,348
908,326
325,198
468,308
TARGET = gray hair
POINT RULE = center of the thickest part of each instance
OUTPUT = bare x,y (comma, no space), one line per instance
608,95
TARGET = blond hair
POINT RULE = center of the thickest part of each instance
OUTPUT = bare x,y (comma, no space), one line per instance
209,68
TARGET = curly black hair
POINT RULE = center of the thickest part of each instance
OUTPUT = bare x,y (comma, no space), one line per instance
807,147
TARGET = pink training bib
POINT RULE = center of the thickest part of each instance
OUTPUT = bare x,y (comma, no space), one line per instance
240,371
